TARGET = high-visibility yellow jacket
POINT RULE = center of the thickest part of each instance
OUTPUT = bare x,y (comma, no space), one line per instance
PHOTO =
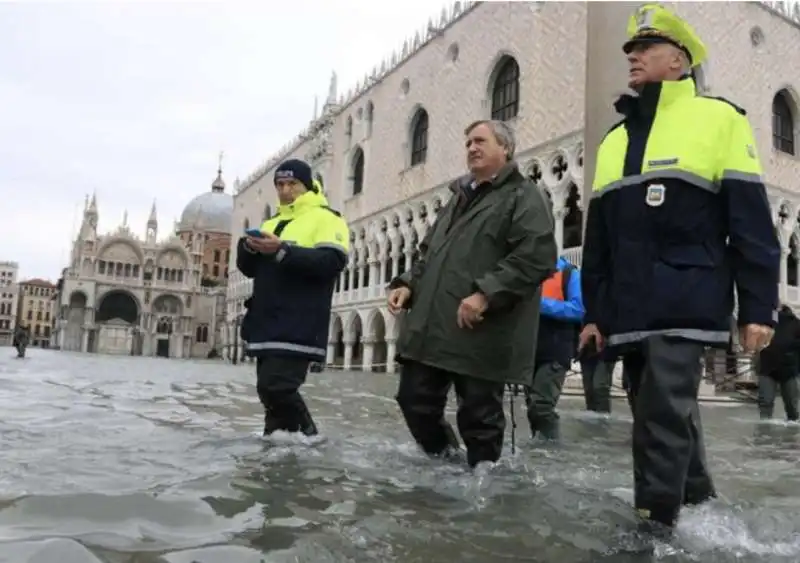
289,311
678,218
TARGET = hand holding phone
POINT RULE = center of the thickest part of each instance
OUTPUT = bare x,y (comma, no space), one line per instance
255,233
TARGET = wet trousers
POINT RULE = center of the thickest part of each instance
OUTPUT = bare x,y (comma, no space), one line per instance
768,389
597,376
542,397
278,383
422,397
669,461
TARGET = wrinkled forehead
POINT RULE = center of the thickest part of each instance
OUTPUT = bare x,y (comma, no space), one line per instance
481,133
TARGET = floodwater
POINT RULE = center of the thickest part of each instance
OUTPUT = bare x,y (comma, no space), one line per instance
133,460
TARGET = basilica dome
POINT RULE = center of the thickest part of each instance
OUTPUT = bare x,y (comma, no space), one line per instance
211,211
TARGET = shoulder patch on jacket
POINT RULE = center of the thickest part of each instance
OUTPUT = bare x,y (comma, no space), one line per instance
739,110
332,210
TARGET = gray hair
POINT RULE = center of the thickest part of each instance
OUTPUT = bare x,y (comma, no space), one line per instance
502,131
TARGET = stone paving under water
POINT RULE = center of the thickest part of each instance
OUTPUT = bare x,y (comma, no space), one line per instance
139,460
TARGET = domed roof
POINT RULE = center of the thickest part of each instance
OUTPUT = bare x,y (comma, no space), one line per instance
211,211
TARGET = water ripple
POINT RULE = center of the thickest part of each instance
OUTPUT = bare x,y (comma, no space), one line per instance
131,460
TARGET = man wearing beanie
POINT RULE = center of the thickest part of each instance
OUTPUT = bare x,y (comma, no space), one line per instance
294,264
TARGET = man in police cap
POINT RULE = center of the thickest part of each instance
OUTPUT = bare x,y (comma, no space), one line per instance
678,218
294,264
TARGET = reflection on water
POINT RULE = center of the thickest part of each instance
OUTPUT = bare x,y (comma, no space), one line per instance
129,460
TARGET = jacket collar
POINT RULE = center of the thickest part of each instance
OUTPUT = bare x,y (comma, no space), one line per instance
305,202
655,96
502,176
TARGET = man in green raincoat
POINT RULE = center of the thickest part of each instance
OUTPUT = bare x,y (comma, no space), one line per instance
472,297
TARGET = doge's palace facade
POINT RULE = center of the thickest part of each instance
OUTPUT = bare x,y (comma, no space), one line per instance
387,148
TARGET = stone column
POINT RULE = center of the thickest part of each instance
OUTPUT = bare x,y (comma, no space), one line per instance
606,77
375,276
367,353
85,340
784,279
391,350
559,214
330,353
395,263
348,354
382,281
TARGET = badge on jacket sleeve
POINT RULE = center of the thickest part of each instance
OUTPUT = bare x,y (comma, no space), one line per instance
655,195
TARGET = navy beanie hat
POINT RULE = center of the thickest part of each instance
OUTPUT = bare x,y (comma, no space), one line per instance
298,170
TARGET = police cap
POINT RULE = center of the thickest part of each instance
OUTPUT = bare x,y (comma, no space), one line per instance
652,23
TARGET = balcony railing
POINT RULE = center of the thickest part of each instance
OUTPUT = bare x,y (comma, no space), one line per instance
790,293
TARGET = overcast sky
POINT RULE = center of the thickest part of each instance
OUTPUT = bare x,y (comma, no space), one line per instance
136,100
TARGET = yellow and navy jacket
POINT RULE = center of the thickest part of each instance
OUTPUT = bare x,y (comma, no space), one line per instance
289,310
678,218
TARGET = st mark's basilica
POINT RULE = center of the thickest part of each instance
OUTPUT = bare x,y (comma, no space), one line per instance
121,294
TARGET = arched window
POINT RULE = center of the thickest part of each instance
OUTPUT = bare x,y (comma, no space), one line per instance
358,171
782,123
267,211
419,137
505,90
246,223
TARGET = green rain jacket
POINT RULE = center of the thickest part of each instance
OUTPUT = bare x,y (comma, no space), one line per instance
498,240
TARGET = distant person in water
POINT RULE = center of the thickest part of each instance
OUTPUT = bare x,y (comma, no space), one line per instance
21,339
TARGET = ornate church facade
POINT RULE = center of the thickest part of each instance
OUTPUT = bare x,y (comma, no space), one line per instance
121,294
388,148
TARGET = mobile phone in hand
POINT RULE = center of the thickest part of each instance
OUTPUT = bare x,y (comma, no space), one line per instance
255,233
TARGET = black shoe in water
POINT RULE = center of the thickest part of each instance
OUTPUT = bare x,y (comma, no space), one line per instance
272,424
307,425
454,455
658,523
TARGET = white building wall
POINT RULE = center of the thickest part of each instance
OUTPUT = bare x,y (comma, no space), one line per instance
752,55
456,93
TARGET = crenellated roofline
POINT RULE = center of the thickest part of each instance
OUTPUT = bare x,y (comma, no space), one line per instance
335,107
